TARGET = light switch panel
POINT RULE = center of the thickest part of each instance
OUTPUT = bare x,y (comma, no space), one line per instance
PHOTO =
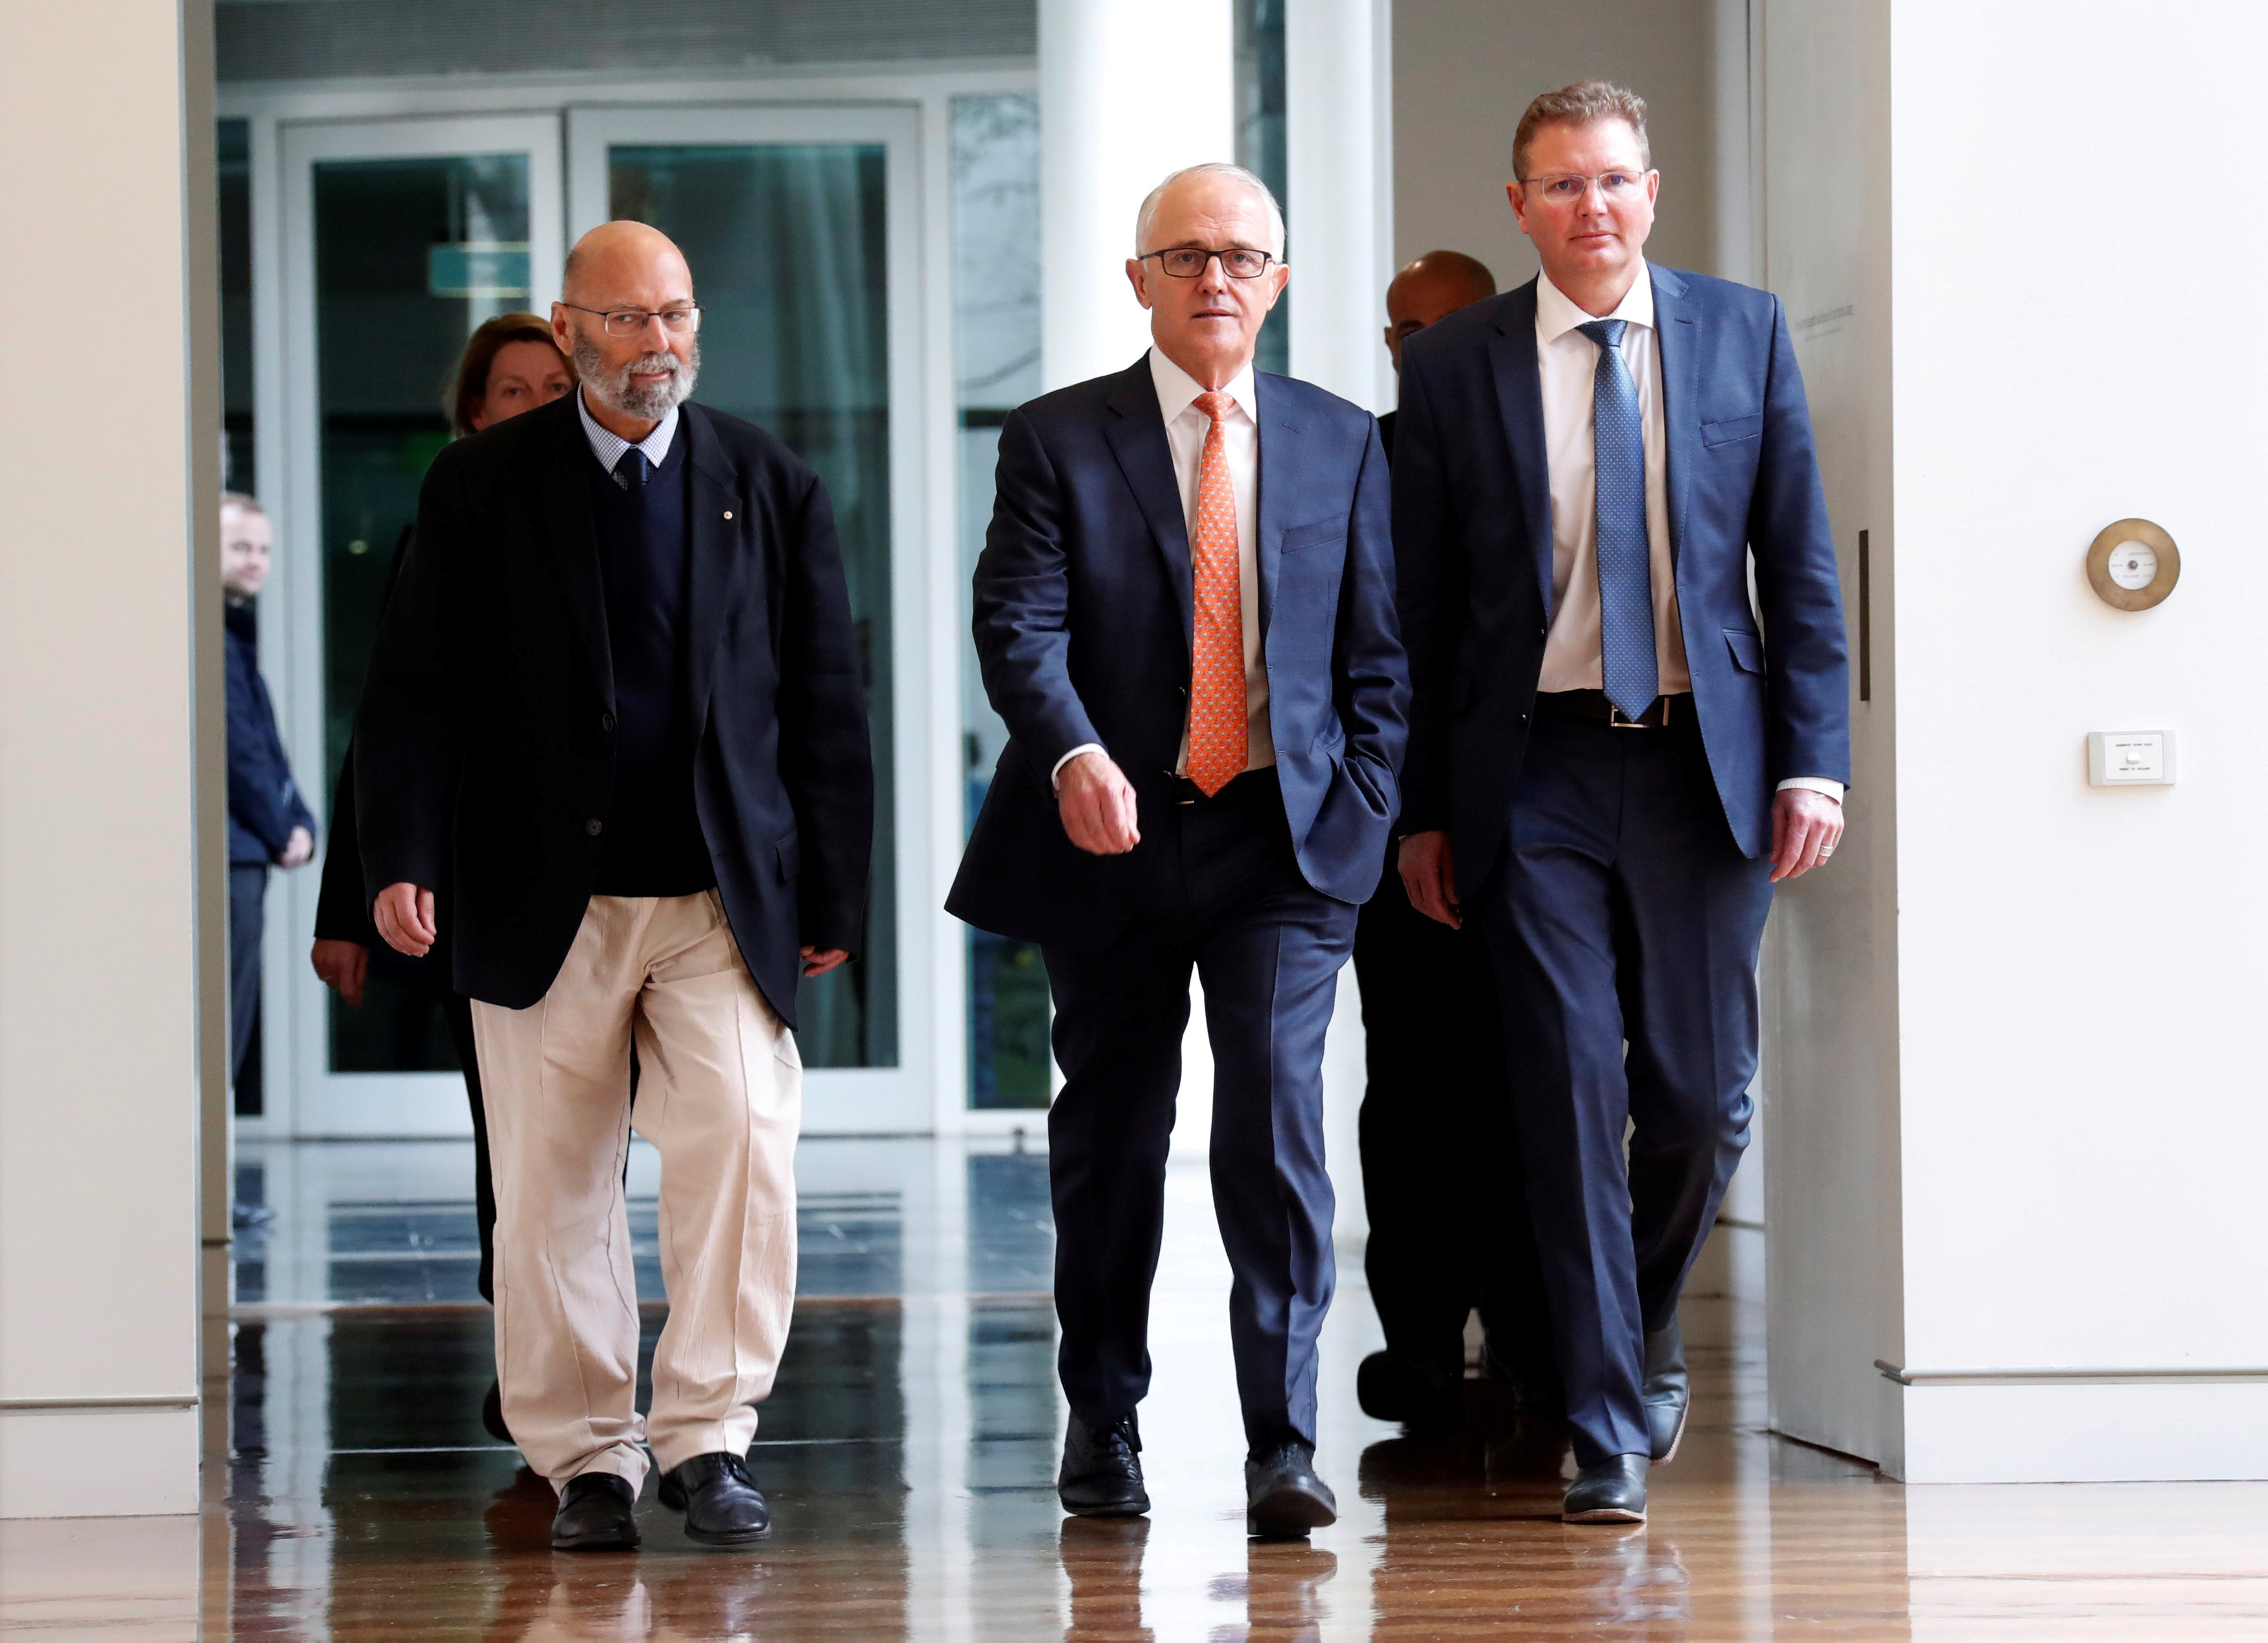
2130,758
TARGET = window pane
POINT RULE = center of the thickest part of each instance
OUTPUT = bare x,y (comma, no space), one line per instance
788,249
996,239
1259,140
388,330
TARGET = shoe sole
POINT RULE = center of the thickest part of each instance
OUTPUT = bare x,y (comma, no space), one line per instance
609,1544
1604,1514
743,1537
1116,1508
1289,1517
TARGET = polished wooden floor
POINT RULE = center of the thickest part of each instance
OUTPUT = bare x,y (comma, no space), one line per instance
909,1453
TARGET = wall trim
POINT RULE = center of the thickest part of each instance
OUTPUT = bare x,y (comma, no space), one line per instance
155,1400
2039,1377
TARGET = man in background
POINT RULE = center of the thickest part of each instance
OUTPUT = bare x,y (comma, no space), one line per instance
1441,1172
269,823
1616,748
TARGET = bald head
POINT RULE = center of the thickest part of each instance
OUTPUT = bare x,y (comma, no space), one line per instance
622,253
1429,288
626,319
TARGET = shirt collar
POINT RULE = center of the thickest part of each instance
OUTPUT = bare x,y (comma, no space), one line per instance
608,447
1557,314
1177,389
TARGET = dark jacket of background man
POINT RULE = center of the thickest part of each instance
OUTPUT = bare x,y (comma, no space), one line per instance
486,755
263,801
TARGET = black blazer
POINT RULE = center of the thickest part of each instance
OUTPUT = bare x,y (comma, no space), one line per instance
1472,535
1084,617
484,755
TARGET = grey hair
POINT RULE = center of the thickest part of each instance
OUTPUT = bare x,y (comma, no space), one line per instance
242,503
1148,214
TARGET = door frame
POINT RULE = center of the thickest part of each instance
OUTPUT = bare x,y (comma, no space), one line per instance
931,942
844,1101
301,1095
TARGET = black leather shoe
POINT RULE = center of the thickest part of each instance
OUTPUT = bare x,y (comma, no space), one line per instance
1101,1474
1395,1386
492,1414
1612,1491
1283,1497
1669,1392
595,1514
718,1499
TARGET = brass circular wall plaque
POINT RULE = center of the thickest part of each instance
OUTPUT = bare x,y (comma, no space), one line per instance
2133,565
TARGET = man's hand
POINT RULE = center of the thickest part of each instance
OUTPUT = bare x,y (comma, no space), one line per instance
818,961
404,916
1429,874
1098,806
342,967
1807,826
299,850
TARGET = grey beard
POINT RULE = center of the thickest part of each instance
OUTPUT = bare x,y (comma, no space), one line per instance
614,390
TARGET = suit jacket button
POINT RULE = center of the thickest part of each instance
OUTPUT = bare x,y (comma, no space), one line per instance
594,827
607,722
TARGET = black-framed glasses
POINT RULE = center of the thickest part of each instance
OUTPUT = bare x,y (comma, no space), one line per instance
1617,188
679,319
1189,261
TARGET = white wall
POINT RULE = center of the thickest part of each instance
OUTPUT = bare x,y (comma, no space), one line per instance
107,476
1464,70
1130,90
1339,158
2082,1113
2033,1170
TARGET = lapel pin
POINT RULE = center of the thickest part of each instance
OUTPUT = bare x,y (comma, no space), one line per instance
728,513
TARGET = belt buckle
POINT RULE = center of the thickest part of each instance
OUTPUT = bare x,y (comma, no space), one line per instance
1616,720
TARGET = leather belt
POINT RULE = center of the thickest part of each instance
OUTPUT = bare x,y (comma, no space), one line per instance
1592,707
1243,784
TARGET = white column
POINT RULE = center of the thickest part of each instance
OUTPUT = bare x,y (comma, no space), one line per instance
109,642
1339,160
1128,91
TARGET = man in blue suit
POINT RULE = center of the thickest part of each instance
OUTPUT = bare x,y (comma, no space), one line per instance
1184,613
1612,759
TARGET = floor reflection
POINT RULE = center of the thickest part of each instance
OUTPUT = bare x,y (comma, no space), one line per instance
909,1454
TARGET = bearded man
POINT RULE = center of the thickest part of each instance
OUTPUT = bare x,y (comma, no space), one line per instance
617,695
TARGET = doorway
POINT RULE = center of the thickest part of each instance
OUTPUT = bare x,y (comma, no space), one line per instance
395,238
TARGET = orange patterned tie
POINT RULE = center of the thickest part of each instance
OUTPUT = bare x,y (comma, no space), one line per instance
1217,747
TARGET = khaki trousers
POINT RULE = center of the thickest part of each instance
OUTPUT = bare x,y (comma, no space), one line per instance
720,1096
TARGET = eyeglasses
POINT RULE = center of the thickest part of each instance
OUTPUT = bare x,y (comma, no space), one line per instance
677,320
1616,187
1189,261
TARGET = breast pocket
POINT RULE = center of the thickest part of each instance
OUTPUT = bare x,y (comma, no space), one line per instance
1732,429
1320,534
1747,649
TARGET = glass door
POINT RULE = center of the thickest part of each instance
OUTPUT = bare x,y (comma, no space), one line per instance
398,237
800,225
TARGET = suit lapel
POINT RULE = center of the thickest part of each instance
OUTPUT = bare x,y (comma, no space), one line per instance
571,526
1136,434
1677,333
1520,402
718,524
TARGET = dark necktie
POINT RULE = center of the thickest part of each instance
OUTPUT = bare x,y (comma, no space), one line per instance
1629,668
631,470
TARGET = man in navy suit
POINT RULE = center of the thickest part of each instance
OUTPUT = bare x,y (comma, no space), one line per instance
1184,613
1612,759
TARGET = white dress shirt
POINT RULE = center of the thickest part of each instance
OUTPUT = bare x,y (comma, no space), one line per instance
1567,364
608,447
1185,427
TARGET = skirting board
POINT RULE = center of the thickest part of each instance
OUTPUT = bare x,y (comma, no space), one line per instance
2072,1432
98,1463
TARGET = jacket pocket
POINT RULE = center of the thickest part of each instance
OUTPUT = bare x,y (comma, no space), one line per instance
1731,429
1319,533
1747,649
790,849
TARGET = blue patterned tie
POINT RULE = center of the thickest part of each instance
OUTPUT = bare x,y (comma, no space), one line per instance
1631,673
630,470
